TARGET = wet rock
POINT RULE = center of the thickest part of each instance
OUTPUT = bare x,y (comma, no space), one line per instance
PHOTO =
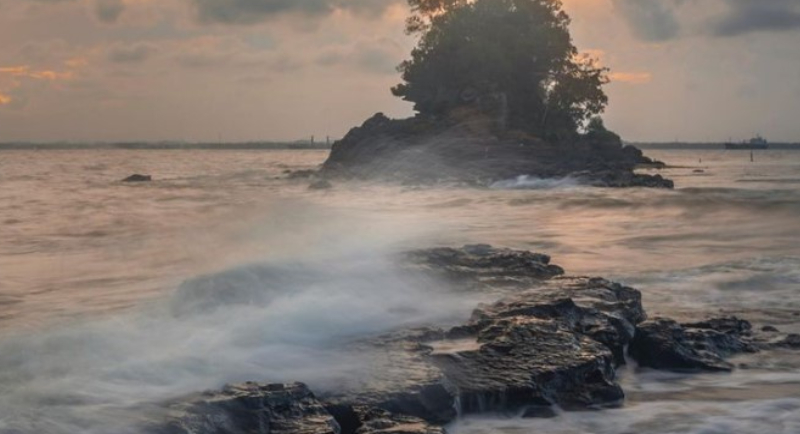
401,378
321,184
604,311
627,180
791,341
553,344
138,178
464,147
703,346
482,266
250,408
769,329
522,361
371,420
729,325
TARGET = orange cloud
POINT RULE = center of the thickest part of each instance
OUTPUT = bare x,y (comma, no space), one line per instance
5,99
631,77
26,71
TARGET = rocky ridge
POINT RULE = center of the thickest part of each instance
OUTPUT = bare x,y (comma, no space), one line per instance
549,341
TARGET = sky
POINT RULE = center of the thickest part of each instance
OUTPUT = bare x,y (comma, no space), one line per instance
243,70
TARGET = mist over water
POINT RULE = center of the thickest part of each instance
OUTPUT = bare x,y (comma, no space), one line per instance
114,296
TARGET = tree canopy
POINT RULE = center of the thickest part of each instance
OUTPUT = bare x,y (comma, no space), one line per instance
519,51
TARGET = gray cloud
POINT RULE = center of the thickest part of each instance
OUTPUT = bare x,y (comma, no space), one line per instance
109,11
651,20
257,11
130,54
746,16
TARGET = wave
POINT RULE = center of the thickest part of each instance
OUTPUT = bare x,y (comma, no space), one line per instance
778,416
526,182
265,322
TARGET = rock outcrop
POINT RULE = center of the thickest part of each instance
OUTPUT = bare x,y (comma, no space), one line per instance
467,149
704,346
250,408
551,343
482,267
138,178
555,344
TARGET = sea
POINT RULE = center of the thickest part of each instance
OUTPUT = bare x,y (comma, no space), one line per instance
117,296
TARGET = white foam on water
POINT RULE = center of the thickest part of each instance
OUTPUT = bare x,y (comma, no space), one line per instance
526,182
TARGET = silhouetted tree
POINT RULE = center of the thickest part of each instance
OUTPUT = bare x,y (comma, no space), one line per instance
519,51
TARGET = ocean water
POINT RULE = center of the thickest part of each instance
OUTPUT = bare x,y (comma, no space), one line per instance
116,296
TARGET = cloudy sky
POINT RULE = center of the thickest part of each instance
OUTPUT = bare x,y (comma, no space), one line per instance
108,70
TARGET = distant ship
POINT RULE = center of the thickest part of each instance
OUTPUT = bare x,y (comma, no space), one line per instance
756,142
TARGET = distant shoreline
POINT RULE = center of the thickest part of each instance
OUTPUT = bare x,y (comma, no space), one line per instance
311,146
167,146
704,145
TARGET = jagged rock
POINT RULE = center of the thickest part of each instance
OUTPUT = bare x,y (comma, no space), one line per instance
480,266
552,344
606,312
138,178
465,148
703,346
520,361
370,420
250,408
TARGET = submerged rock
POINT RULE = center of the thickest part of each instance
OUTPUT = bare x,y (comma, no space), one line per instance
250,408
704,346
791,341
466,148
301,174
138,178
320,185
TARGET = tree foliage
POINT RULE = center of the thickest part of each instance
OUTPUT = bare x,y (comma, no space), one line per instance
518,49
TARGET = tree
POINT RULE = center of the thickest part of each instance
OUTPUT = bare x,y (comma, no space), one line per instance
519,49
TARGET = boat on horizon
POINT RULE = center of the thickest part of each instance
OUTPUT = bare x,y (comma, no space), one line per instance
756,142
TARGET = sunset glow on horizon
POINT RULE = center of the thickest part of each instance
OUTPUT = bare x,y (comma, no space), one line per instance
108,70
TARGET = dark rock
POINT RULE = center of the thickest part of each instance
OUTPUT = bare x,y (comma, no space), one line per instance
769,329
604,311
404,380
464,147
480,266
791,341
519,361
138,178
729,325
250,408
703,346
371,420
321,184
555,344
